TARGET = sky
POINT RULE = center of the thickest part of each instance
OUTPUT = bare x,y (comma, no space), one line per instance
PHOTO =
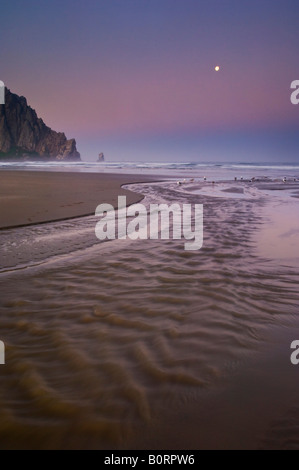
136,79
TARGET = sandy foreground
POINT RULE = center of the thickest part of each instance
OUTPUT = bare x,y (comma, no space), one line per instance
31,197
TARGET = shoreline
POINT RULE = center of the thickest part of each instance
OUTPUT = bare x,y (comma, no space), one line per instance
30,198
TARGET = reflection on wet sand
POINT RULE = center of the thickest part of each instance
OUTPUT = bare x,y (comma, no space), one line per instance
140,344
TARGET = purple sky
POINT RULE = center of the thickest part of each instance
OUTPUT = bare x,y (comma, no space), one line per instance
136,80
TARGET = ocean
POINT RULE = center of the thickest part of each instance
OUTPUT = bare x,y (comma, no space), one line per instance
217,170
140,344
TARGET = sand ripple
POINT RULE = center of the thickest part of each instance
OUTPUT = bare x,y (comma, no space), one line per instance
103,338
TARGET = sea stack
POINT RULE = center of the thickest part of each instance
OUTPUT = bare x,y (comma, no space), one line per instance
24,136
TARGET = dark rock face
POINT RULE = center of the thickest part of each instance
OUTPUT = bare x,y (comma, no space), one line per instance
24,136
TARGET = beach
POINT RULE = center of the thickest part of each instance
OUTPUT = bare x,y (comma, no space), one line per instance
30,197
140,344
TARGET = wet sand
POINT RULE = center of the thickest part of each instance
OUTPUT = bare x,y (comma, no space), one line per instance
30,197
143,345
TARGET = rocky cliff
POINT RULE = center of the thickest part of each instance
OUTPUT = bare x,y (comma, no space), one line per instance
24,136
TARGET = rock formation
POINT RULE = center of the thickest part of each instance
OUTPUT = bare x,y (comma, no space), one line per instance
24,136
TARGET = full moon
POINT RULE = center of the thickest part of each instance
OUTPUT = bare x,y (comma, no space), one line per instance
217,68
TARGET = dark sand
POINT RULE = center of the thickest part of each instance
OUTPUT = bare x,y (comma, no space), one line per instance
31,197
